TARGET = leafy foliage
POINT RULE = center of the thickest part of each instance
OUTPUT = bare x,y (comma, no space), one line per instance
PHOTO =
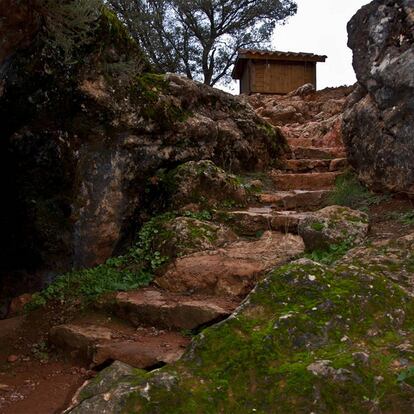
68,25
201,38
330,255
131,271
349,192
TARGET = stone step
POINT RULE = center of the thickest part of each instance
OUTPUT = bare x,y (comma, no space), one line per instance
247,222
317,153
295,200
307,181
287,221
154,307
254,220
301,142
99,344
314,165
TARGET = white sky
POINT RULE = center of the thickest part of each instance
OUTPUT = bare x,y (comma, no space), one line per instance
320,27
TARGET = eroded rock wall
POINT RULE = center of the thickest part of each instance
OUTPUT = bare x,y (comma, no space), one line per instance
379,118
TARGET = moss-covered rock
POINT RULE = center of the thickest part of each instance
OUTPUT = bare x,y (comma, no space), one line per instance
184,235
202,185
310,338
333,225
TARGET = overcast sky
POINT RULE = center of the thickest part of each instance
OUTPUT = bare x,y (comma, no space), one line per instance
320,27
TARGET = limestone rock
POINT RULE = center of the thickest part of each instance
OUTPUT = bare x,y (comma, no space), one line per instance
99,344
333,225
379,117
232,270
306,117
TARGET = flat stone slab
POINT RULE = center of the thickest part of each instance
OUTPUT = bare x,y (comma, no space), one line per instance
309,181
318,153
172,311
143,349
295,199
315,165
248,222
252,221
287,221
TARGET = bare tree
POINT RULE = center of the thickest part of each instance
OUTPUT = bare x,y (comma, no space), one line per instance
200,38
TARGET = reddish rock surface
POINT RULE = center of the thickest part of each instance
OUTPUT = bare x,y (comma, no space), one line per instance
233,270
153,307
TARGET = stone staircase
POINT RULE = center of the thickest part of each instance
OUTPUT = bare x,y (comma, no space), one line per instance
149,327
146,328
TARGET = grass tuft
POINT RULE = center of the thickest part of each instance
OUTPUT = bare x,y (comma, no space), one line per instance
349,192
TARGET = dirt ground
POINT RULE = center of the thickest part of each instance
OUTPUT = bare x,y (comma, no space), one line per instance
35,379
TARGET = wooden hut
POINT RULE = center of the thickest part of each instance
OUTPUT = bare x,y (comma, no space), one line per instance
273,72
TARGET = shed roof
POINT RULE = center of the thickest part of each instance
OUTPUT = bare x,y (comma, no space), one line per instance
275,55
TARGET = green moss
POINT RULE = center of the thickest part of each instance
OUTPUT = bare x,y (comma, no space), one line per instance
150,91
317,226
276,139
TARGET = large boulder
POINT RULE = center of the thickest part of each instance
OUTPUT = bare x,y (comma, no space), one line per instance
379,118
310,338
82,138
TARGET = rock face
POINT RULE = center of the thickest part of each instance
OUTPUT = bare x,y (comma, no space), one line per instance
81,142
333,225
379,118
309,338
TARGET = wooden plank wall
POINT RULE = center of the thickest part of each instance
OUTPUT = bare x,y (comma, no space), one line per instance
281,77
245,81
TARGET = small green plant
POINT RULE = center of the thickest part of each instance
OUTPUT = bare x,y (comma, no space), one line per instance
40,351
317,226
349,192
68,25
204,215
406,376
331,254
